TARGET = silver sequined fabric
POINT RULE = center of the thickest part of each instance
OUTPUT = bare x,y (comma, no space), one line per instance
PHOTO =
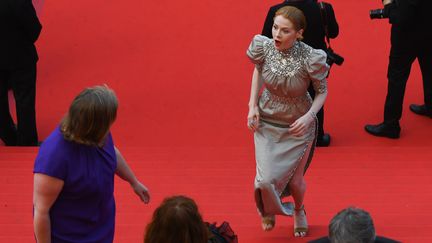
286,64
278,153
287,76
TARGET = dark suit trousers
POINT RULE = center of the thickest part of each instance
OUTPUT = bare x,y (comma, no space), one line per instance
405,48
22,81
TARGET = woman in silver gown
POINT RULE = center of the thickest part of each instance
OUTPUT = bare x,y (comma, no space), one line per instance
283,116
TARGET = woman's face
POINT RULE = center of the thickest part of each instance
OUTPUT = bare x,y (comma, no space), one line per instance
284,33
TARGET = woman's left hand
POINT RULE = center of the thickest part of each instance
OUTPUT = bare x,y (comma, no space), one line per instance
142,192
299,127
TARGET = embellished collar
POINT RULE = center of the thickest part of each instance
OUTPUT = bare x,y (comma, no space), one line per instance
286,63
288,51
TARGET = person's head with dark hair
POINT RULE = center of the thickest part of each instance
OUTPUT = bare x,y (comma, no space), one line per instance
352,225
90,116
176,220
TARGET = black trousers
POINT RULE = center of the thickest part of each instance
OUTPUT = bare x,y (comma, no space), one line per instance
406,46
320,114
22,81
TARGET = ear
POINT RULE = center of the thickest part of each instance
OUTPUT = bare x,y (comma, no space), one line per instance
299,34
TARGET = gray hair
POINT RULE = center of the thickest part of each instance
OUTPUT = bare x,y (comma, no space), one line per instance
352,225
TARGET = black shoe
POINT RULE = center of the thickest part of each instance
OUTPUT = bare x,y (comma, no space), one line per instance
421,110
323,141
384,130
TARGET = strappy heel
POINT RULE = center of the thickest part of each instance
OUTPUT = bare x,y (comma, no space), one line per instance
300,222
268,222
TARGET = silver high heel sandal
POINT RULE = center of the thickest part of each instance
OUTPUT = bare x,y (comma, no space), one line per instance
300,222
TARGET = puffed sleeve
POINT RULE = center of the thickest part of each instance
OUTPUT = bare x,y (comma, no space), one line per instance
318,70
255,52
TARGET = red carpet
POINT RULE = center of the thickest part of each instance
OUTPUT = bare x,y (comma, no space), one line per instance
183,81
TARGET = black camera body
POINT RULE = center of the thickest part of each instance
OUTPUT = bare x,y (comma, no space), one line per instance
333,58
378,14
382,13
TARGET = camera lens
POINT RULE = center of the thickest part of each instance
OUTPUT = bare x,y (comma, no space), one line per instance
377,14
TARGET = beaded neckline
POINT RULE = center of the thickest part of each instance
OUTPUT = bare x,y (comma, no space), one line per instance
286,63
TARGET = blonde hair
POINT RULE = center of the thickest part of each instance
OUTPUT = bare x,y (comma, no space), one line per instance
90,116
295,15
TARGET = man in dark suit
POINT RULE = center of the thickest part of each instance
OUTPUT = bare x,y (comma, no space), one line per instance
314,36
411,38
19,30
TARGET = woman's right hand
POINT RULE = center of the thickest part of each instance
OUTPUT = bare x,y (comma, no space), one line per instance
253,118
142,191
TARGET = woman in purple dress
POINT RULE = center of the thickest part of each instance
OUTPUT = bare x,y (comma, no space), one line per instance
74,171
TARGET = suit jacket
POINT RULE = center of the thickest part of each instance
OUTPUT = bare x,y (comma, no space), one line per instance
19,30
314,34
411,15
378,239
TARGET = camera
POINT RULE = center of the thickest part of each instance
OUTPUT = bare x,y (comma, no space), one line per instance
333,58
378,14
382,13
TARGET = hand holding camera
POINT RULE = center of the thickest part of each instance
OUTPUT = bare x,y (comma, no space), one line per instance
385,2
380,13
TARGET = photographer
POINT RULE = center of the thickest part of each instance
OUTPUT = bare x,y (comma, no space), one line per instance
410,39
313,36
19,30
